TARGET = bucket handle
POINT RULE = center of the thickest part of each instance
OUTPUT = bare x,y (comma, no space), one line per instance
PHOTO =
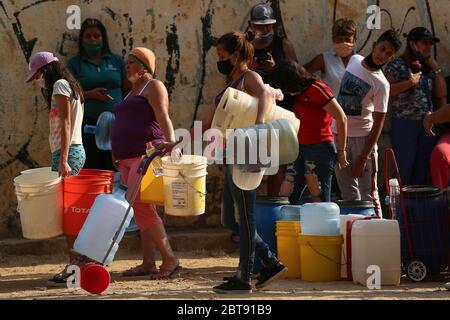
324,256
190,185
21,197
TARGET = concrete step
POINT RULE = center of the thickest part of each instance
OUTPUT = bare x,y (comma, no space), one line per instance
188,240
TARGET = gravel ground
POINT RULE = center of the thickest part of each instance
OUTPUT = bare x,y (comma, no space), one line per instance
25,277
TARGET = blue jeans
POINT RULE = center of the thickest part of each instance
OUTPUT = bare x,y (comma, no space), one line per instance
238,216
412,147
318,159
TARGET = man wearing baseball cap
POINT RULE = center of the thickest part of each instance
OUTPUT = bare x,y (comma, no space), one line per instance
270,49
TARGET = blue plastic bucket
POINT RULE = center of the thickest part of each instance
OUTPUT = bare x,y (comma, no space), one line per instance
365,208
267,213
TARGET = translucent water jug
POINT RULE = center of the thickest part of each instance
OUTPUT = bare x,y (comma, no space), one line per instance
238,109
320,219
104,220
259,148
102,130
291,213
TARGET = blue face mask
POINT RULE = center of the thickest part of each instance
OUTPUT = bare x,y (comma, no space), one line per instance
93,47
266,37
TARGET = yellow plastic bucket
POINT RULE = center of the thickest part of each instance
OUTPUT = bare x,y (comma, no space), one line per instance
152,188
287,247
320,258
185,185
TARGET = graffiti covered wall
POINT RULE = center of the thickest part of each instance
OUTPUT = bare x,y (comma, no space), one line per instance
181,33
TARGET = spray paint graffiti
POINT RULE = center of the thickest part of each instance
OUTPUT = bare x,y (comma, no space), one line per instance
208,41
193,30
173,64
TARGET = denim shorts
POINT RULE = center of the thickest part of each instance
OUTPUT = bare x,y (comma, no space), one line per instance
76,158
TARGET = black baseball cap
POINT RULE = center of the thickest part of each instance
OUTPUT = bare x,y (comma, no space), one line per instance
421,33
262,14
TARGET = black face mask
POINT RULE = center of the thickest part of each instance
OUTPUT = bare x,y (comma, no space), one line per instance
225,67
369,61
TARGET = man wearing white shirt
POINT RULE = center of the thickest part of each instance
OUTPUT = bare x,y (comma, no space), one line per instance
364,96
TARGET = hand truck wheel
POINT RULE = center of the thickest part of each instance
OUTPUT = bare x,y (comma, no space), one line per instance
95,278
416,270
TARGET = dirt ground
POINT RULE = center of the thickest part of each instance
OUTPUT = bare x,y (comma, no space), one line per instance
25,278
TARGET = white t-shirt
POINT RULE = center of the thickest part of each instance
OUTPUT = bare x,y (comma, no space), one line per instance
334,71
362,93
62,87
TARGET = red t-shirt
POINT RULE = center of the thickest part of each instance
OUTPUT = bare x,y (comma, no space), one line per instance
315,122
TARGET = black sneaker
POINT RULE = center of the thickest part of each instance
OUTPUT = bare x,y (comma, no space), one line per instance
269,275
233,286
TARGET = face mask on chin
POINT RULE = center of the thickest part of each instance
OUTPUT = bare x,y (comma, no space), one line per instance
369,61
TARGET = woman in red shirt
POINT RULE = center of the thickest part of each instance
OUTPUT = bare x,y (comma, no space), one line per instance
316,108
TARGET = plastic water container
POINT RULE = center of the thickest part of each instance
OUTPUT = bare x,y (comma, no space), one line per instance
267,213
275,141
102,130
290,213
238,109
320,219
104,220
343,225
376,243
394,197
365,208
40,204
185,185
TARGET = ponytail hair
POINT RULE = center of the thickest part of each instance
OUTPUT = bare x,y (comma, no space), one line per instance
239,42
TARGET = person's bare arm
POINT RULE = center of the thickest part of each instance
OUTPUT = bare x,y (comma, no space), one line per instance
316,64
254,86
402,86
440,116
64,112
157,96
289,51
378,123
439,85
335,110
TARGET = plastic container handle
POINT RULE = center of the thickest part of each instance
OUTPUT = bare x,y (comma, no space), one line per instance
90,129
145,163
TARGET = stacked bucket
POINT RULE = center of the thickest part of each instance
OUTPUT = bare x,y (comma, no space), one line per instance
310,244
288,231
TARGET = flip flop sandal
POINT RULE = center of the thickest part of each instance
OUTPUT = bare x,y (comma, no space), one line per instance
138,271
167,274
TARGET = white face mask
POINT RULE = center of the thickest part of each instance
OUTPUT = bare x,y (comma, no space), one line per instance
41,82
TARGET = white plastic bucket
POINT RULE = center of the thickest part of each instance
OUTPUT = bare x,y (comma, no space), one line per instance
185,185
40,204
36,170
